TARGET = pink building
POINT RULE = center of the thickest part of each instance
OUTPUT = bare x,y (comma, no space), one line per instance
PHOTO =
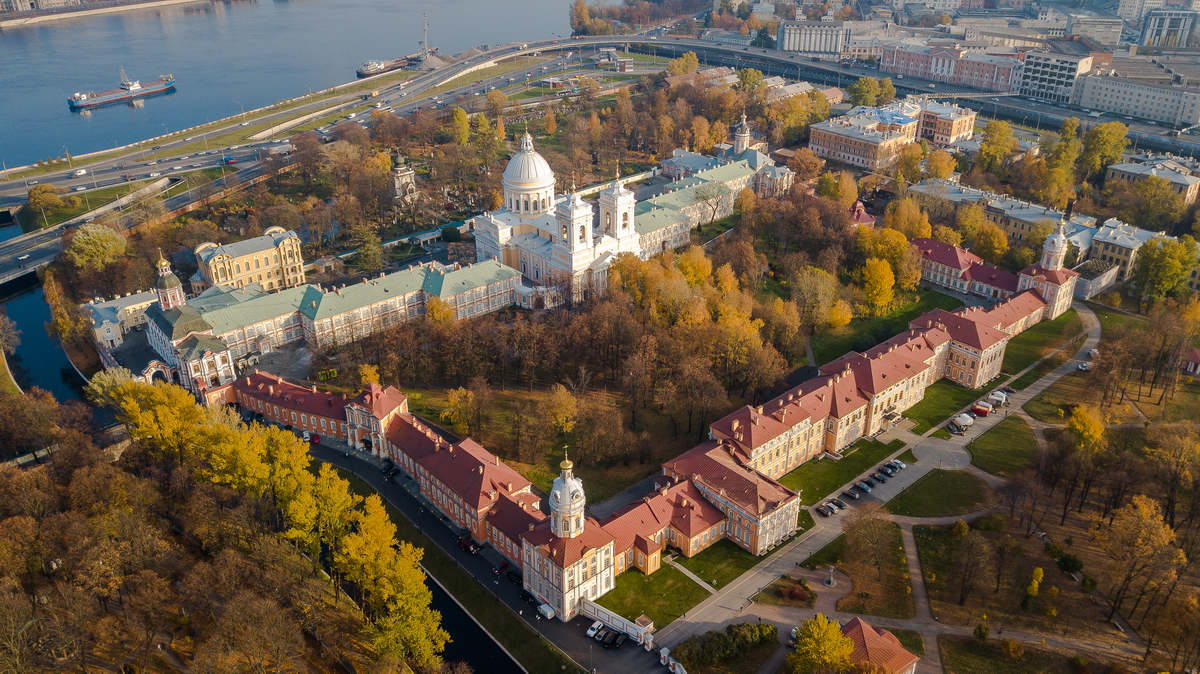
951,65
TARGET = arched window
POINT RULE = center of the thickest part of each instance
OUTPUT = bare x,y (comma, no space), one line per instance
256,265
543,203
608,221
526,204
275,258
582,233
624,220
565,234
237,268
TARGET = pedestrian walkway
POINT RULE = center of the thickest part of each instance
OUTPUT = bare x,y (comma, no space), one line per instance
699,581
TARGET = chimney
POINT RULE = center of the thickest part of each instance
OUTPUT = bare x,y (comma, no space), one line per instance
497,464
684,502
313,389
271,390
531,526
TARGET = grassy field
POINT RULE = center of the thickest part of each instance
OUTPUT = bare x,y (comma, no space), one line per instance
723,562
964,655
908,457
885,591
663,596
536,654
31,220
910,639
864,332
833,553
752,661
1073,389
1110,318
941,493
942,400
1005,449
1048,365
821,478
7,385
1027,347
771,594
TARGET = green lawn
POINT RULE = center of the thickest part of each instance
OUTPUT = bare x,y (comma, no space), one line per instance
941,433
908,457
1027,347
804,521
1066,391
31,220
7,385
833,553
941,493
910,639
964,655
663,596
942,400
821,478
1005,449
535,653
723,562
864,332
1111,318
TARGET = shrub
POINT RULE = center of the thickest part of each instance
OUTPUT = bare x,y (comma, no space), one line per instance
1119,668
992,522
960,528
713,646
1012,649
1054,550
1070,564
450,234
982,631
1088,585
1078,665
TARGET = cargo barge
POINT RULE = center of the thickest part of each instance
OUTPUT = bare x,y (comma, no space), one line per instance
372,68
129,90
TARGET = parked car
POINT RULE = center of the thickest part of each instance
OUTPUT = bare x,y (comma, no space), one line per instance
610,638
621,639
839,503
899,464
470,546
881,477
599,636
822,511
955,428
852,494
515,578
1083,367
870,482
596,626
863,486
307,436
1008,389
316,439
387,463
527,597
888,470
547,611
499,567
832,506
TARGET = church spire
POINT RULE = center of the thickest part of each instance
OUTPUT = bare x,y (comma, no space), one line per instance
168,287
567,502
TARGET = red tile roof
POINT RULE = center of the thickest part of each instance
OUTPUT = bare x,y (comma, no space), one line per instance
474,474
749,428
713,465
877,646
961,329
380,401
943,253
514,515
991,276
1193,356
273,389
680,505
1056,276
566,551
1002,315
407,434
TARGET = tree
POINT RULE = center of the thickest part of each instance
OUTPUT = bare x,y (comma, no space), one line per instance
1103,145
561,408
497,102
864,92
1137,543
947,235
458,406
1086,426
460,126
94,246
972,559
686,64
549,123
990,243
820,647
878,284
997,144
163,414
840,188
1058,185
1150,204
10,336
1173,449
870,536
887,92
712,195
1163,267
45,199
806,165
749,79
970,220
906,217
940,164
368,374
371,255
908,165
1066,152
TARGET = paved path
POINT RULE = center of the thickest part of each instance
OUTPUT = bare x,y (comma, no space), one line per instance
699,581
729,603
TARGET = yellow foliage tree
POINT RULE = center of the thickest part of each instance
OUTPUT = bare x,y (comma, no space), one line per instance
878,285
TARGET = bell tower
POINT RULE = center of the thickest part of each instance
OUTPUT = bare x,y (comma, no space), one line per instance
741,139
616,210
566,503
574,217
168,287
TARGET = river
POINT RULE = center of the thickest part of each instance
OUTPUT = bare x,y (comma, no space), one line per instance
225,56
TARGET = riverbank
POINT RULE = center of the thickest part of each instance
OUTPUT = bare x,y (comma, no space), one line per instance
7,383
28,21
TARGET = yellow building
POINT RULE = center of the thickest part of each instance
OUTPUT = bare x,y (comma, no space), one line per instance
272,260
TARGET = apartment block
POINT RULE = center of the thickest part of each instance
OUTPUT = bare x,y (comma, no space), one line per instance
871,139
1131,97
1169,28
1052,77
1183,180
1104,29
1133,10
272,260
944,124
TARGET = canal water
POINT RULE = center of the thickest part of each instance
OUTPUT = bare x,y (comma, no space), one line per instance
225,56
39,360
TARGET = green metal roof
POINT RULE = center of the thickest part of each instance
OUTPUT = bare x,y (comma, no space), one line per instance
178,322
194,347
662,211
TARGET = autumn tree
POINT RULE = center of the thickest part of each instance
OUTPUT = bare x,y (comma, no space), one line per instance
1163,267
94,246
820,647
1137,543
497,102
995,148
870,536
45,199
686,64
990,243
972,559
1066,152
806,165
887,92
940,164
865,91
840,187
460,126
1103,145
549,122
1174,450
947,235
970,221
907,217
908,164
1150,204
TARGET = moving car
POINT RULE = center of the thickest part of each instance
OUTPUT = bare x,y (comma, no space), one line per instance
23,257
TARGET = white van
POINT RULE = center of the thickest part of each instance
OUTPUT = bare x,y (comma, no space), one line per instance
546,610
80,172
964,420
998,397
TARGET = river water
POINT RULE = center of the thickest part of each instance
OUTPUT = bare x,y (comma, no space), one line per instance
225,56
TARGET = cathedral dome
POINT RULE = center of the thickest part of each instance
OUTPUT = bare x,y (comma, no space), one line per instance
528,169
166,278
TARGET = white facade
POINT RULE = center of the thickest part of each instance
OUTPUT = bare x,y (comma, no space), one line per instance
814,37
1133,10
1052,77
1134,98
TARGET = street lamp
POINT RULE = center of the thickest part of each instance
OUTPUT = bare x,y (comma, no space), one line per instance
68,154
